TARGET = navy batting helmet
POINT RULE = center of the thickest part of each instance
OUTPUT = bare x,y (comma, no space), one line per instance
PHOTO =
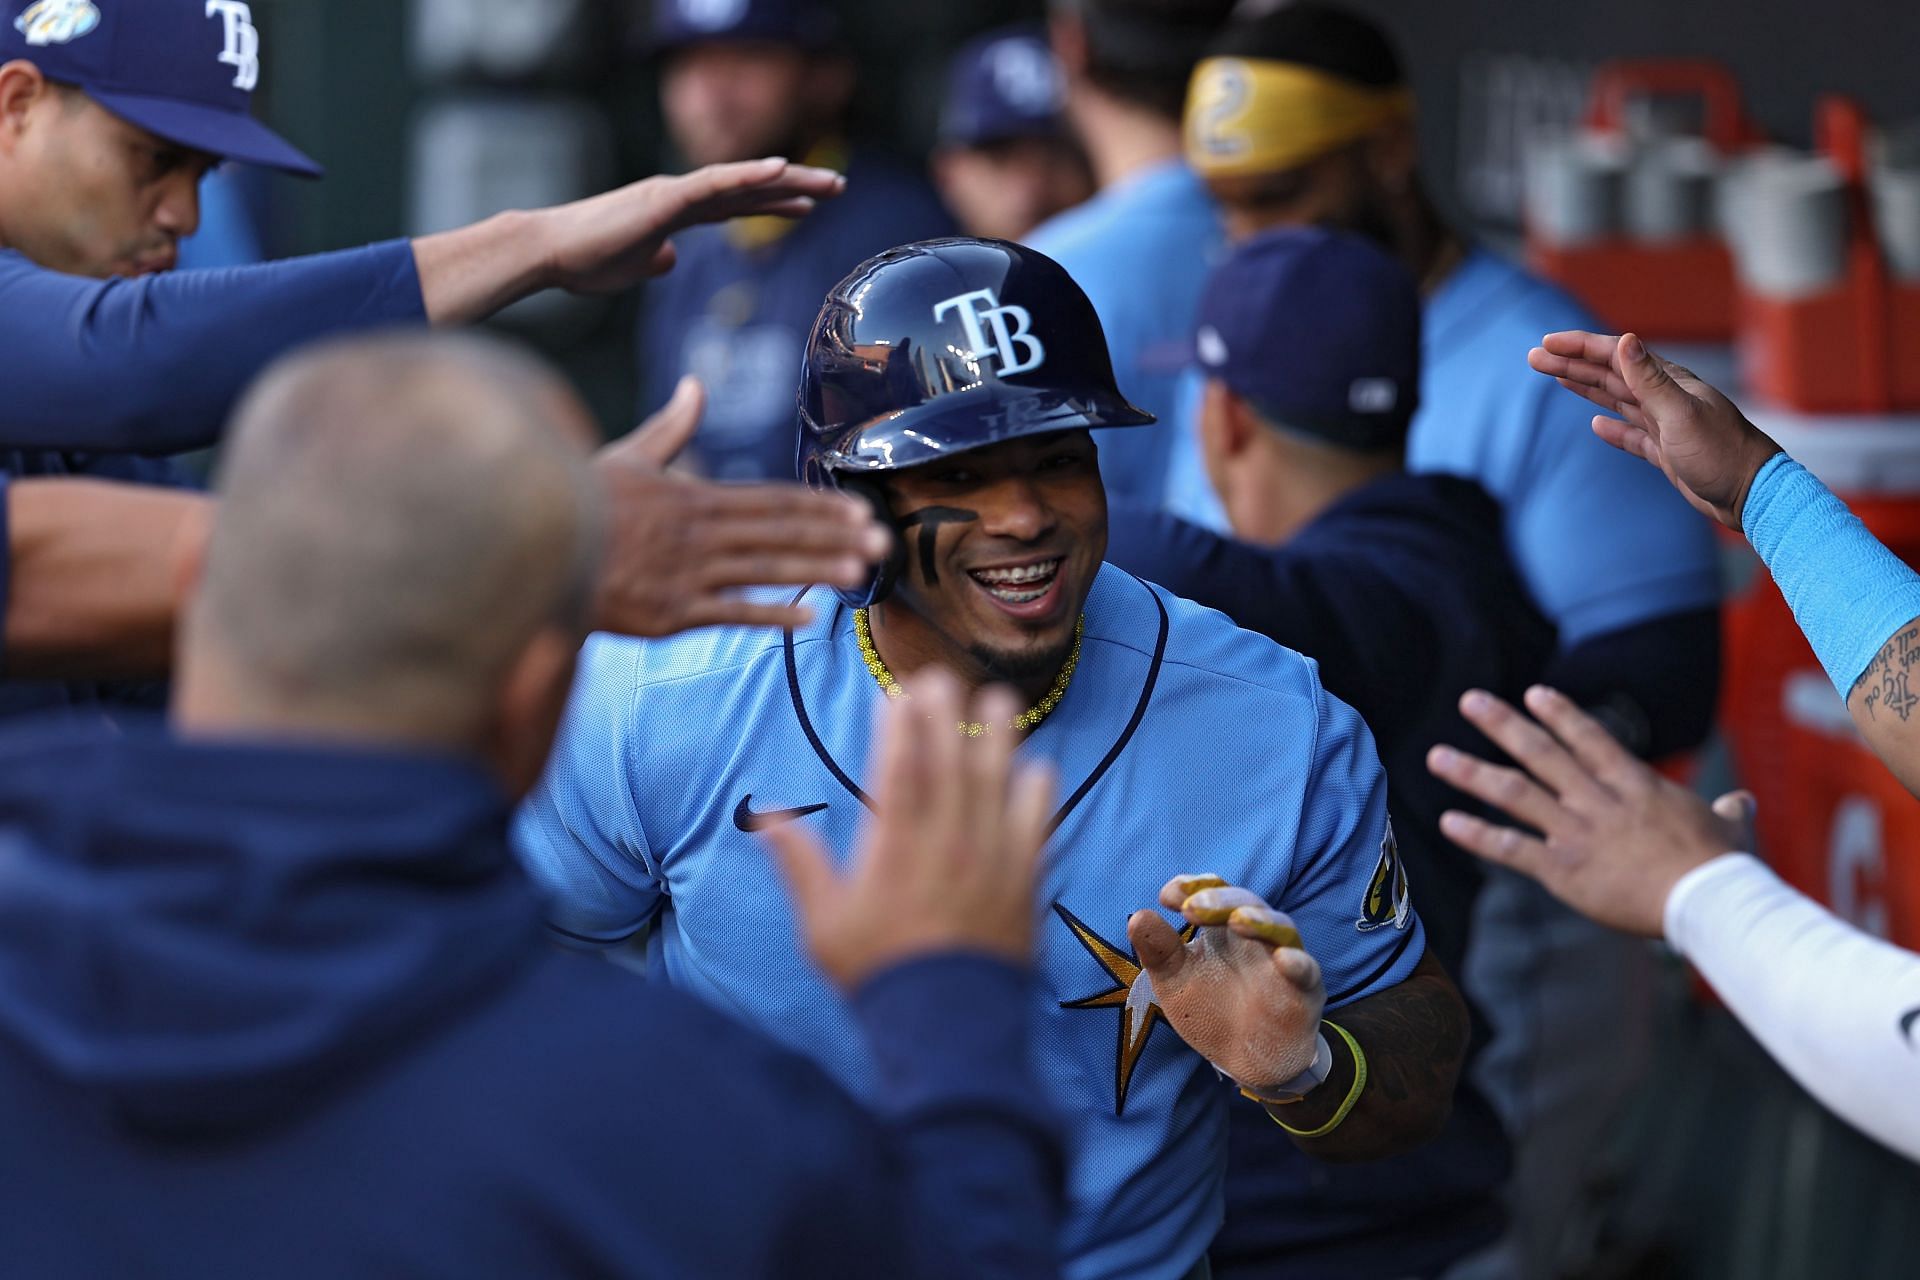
936,348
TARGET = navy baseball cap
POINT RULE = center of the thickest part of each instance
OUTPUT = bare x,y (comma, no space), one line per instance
1320,332
1002,85
182,69
808,24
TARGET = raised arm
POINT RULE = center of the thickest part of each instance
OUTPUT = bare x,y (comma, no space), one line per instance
95,574
1617,842
154,365
1858,605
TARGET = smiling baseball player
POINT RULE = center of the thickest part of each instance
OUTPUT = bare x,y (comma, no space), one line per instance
954,383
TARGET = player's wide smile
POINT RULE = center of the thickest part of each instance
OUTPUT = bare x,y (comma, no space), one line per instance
1027,590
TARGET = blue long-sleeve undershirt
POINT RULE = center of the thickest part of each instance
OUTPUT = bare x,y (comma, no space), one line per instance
155,365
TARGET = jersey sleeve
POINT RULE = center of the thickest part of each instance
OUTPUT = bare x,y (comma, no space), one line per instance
578,833
155,365
1348,889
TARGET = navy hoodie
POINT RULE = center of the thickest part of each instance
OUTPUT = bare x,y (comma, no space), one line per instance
289,1012
1405,595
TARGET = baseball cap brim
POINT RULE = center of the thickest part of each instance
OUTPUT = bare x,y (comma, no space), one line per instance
221,133
989,414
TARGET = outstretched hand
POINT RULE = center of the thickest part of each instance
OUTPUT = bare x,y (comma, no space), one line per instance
1614,836
678,549
1666,415
951,860
1243,992
611,242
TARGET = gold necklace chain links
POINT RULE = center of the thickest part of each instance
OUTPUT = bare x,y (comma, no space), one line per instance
1026,721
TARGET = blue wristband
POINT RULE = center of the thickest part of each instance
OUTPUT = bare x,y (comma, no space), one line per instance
1847,591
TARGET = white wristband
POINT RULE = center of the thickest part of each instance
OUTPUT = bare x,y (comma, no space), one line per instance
1306,1082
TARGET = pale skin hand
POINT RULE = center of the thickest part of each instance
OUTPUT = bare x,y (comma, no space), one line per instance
951,860
1243,992
1614,837
678,549
1665,416
605,244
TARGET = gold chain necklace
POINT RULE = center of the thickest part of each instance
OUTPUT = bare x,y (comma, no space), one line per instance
1027,720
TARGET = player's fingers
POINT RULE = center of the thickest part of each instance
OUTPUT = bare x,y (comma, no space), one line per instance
1581,344
808,529
1534,749
1565,369
1215,906
897,764
804,865
1504,845
1160,950
943,798
732,611
987,764
1175,892
1738,809
1598,751
1648,380
1024,829
1626,437
1298,968
659,440
778,570
1263,924
1508,790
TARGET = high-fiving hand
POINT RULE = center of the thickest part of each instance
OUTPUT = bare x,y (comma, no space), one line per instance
1667,416
678,548
1243,992
1614,836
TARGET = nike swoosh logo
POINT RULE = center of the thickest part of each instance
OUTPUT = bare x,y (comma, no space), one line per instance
747,820
1907,1020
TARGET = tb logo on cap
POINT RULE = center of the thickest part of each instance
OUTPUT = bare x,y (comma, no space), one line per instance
242,51
1012,331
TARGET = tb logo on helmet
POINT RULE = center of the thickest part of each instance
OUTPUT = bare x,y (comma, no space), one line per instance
1013,342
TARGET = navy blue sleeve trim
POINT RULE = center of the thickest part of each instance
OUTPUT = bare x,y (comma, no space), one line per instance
6,566
596,942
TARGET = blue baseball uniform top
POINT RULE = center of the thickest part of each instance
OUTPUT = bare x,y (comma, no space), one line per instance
1601,539
1183,743
1141,249
737,316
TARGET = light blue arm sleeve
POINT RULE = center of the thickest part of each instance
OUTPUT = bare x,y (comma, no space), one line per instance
1348,891
579,833
1600,537
1849,594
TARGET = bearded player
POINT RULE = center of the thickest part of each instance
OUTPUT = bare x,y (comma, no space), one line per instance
954,383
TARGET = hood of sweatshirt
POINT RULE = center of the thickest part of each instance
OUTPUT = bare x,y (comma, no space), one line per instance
209,938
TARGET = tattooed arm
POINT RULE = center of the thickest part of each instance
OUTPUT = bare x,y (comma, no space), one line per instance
1414,1036
1885,704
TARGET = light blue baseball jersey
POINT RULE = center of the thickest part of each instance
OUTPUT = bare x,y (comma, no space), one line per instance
1183,744
1141,249
1601,538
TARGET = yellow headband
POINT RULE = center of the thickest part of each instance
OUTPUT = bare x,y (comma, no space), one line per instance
1247,117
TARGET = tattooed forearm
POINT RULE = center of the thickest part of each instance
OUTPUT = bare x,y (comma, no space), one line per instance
1414,1037
1884,688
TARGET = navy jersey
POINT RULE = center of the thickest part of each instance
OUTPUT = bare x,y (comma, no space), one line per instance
293,1012
1181,744
737,316
1405,595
